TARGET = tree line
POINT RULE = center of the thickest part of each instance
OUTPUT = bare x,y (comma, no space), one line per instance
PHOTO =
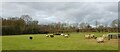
26,25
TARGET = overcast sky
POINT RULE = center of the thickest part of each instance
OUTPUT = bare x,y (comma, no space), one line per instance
59,0
72,12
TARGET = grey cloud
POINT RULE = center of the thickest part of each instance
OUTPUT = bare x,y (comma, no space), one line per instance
60,0
73,12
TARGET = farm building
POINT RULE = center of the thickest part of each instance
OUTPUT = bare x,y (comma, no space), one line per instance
113,36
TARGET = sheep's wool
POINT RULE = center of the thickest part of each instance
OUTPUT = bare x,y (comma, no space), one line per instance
47,35
100,39
92,35
87,36
66,35
62,34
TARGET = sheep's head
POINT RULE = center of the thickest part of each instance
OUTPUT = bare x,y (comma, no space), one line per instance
95,37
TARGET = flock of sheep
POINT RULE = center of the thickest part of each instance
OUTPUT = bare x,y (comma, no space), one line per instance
100,39
52,35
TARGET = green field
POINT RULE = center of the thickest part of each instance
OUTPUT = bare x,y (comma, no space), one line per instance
39,42
0,43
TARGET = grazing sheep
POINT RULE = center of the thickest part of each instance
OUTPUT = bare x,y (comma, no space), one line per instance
87,36
47,35
31,38
92,35
52,36
100,39
104,36
62,34
95,37
66,36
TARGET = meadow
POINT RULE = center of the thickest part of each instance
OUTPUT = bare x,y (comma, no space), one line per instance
76,41
0,43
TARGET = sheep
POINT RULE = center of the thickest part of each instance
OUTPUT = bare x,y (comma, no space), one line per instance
104,36
31,38
92,35
51,35
95,37
100,39
66,36
87,36
47,35
62,34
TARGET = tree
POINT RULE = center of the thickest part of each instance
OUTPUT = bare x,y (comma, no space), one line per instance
96,23
13,25
83,25
26,18
114,23
100,27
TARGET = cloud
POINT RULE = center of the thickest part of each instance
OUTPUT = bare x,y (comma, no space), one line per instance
60,0
72,12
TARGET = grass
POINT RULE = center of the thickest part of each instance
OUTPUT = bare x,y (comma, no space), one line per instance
0,43
39,42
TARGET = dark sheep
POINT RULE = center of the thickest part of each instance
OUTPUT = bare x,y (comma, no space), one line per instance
30,38
51,36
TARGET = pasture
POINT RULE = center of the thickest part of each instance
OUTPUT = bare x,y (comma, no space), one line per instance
76,41
0,43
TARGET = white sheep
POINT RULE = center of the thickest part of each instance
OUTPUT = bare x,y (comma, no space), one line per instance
87,36
62,34
92,35
66,36
104,36
100,39
47,35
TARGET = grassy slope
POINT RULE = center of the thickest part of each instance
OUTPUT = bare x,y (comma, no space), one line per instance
40,42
